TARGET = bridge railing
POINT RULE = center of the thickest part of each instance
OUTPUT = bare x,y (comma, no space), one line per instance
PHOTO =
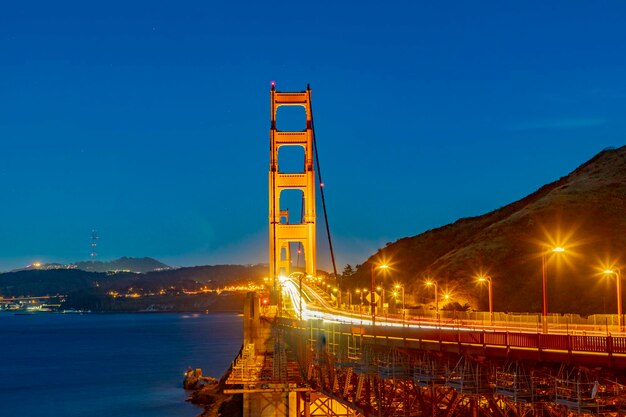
561,323
566,323
342,338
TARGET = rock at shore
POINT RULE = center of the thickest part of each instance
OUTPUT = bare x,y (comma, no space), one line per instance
208,392
194,379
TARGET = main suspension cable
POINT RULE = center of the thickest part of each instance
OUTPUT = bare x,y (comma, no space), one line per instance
319,177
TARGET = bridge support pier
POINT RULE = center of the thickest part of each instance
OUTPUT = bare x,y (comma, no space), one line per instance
263,373
251,318
270,404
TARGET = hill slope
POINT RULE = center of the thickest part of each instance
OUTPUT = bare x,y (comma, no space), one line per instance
39,282
585,212
123,264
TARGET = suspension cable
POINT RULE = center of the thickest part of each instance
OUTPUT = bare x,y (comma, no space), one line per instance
319,177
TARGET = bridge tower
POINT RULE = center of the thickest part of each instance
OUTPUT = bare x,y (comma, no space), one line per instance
282,232
284,263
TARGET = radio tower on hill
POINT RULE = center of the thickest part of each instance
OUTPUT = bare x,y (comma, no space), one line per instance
94,243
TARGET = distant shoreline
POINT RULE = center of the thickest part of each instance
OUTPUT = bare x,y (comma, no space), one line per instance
99,301
102,313
103,303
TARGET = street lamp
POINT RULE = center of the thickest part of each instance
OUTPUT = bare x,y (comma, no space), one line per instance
300,293
618,279
544,284
400,287
382,297
362,294
373,292
434,283
338,292
487,279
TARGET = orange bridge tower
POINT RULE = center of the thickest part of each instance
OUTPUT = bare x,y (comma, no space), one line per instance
282,232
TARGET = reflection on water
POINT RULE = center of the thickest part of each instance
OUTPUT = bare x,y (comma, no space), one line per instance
122,365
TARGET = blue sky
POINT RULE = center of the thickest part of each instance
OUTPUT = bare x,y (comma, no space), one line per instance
148,120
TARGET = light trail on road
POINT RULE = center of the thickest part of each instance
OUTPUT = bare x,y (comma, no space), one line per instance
316,306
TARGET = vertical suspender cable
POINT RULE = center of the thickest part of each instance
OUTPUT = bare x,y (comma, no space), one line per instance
299,250
319,177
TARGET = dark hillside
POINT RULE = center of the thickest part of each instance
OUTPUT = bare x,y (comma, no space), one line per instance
585,212
37,282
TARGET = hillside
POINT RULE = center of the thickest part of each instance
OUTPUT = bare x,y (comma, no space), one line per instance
123,264
585,212
37,282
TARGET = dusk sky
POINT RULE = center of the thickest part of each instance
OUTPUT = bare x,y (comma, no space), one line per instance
149,120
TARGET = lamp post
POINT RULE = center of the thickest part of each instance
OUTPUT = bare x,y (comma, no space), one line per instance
300,290
544,285
373,291
618,279
434,283
382,297
400,287
338,292
487,279
362,293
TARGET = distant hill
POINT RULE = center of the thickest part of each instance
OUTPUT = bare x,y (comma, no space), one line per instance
36,282
139,265
39,282
584,211
123,264
217,274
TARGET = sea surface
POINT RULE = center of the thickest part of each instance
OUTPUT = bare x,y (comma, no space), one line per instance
113,365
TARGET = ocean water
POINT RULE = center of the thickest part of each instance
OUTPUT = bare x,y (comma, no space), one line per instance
113,365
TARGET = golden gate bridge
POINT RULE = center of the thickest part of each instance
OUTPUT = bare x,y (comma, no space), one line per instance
307,353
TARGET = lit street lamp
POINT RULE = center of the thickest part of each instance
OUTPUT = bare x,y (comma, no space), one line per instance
361,293
544,285
618,279
382,297
487,279
434,283
400,287
373,291
300,291
338,292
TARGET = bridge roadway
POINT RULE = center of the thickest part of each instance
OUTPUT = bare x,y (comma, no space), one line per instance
316,304
332,362
585,347
470,368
